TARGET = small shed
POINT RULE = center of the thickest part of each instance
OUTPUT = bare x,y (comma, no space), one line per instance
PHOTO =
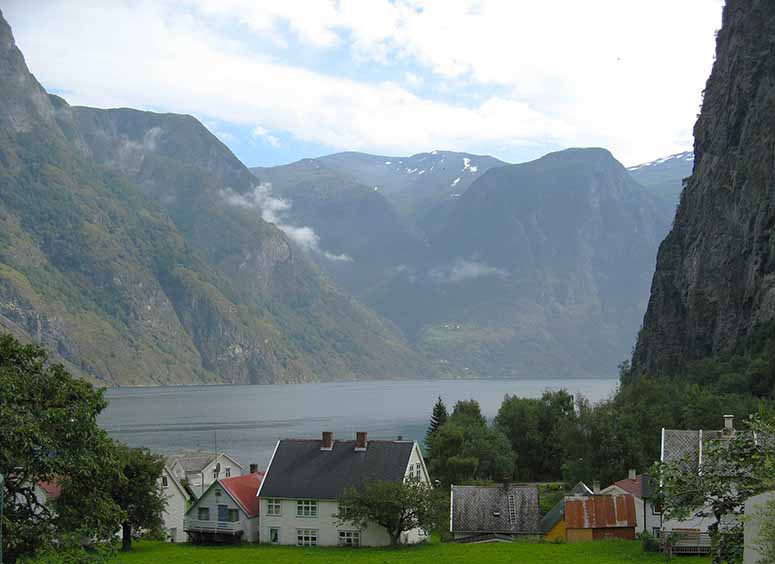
553,523
494,513
597,517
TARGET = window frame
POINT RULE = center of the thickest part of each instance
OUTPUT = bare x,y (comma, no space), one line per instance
271,503
164,482
233,515
227,472
307,537
307,508
354,538
276,530
199,513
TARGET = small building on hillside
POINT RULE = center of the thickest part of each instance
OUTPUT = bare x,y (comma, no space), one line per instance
178,500
199,469
305,479
494,513
598,517
226,512
640,487
553,523
752,525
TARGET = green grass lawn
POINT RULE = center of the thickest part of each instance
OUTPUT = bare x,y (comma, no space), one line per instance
607,552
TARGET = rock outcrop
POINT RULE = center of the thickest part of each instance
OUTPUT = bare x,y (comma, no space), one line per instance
715,277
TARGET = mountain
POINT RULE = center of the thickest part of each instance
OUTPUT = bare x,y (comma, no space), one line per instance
715,278
542,270
664,177
132,245
422,187
362,238
539,269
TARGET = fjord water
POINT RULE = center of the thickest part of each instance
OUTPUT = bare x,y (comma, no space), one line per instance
246,421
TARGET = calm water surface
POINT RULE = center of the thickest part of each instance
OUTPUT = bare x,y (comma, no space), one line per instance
247,421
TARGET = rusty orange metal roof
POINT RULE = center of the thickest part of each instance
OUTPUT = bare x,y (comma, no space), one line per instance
600,511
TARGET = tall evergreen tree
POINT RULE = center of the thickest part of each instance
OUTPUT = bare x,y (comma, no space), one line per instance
438,418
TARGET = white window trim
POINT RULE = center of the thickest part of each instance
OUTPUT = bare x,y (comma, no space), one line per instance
278,535
354,534
307,533
274,502
312,504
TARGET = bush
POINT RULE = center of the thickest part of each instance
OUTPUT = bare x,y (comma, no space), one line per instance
649,542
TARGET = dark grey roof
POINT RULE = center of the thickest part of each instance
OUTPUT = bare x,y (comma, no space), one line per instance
510,509
299,469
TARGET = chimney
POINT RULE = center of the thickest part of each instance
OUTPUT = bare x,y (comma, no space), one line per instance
254,468
328,441
400,438
729,424
595,487
361,441
632,474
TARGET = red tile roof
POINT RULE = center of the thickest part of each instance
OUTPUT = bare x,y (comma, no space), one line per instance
600,512
244,489
634,487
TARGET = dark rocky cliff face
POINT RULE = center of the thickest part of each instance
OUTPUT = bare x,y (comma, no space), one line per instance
715,276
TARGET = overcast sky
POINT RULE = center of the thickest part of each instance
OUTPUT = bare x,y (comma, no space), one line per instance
288,79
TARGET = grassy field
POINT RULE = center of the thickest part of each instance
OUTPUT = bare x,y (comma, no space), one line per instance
608,552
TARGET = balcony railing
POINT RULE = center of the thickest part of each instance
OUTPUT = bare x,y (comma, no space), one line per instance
685,542
223,527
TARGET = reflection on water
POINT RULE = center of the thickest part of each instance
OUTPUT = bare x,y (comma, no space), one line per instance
247,421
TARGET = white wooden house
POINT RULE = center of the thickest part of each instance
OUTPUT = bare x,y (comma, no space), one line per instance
200,469
305,478
177,504
226,512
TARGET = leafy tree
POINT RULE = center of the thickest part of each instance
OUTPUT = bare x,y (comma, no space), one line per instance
438,418
468,412
49,433
733,469
138,492
764,542
397,506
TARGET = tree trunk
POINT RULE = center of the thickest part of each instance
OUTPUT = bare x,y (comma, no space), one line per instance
395,536
126,536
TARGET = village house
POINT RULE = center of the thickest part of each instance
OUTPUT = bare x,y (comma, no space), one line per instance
599,516
691,535
494,513
553,523
177,503
227,511
305,479
640,487
199,469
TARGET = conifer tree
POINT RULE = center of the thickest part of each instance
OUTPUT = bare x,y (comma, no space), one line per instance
438,418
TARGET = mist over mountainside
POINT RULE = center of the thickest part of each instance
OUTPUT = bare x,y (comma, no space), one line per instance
664,177
132,244
539,269
714,284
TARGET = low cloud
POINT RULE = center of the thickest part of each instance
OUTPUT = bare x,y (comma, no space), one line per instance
260,132
463,270
274,210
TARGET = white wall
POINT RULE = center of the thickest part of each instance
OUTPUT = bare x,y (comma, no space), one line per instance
327,525
174,512
212,501
700,524
752,525
200,481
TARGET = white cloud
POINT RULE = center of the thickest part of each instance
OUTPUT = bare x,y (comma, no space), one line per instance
274,210
261,133
624,75
464,270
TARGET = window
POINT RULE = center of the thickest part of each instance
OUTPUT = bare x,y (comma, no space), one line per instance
307,537
233,515
307,508
223,513
215,474
217,492
227,472
203,514
656,531
656,509
274,535
164,482
272,506
349,538
344,510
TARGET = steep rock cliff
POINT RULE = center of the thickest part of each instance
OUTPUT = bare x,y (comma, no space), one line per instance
715,276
